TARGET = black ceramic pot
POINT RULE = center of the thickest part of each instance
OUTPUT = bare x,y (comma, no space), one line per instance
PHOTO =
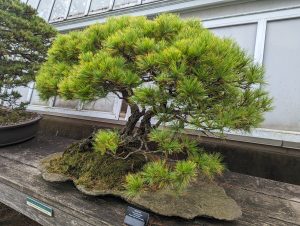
17,133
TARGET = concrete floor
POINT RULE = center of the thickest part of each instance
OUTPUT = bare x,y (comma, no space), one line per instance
9,217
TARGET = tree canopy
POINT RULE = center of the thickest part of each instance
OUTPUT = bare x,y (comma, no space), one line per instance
24,41
174,69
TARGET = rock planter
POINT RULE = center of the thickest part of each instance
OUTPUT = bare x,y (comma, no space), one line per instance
13,134
206,199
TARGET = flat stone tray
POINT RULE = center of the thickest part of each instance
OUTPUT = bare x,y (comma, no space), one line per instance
263,202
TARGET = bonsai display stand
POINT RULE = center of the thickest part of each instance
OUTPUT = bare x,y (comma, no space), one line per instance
263,202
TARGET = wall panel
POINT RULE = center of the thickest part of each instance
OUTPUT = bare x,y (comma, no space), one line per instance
244,35
281,60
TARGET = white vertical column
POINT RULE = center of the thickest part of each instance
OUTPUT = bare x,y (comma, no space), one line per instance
117,107
260,41
30,91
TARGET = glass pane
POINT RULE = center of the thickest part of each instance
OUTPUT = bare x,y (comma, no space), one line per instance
45,9
60,9
59,102
35,100
124,3
105,104
99,5
244,35
78,7
281,61
33,3
24,1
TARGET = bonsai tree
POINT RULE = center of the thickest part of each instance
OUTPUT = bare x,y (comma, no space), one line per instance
173,74
24,41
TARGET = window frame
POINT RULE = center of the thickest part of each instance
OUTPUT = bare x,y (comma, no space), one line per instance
85,12
138,2
110,7
63,17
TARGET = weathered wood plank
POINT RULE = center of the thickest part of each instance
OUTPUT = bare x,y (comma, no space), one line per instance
10,217
64,196
266,208
264,202
263,186
17,200
93,210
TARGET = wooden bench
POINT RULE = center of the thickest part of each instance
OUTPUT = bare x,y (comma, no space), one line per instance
263,202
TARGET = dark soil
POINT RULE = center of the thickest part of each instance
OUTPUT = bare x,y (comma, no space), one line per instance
10,217
13,117
94,170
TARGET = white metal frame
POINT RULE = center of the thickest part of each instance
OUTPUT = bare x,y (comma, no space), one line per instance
260,41
79,111
138,2
110,6
50,9
63,16
156,7
148,1
88,6
85,12
52,5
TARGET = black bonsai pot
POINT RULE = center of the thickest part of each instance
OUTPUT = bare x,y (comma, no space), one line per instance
13,134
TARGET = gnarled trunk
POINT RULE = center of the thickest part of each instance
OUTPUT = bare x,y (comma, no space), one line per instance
135,116
130,138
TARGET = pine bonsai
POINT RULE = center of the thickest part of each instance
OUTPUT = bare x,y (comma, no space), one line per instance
167,69
24,41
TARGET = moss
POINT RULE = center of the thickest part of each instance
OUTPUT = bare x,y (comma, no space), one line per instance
11,117
95,171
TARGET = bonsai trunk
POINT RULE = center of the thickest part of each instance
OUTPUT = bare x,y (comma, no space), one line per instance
136,139
130,138
135,116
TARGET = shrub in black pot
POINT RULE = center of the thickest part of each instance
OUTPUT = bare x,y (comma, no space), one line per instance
24,41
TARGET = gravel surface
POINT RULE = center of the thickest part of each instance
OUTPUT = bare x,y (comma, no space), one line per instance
10,217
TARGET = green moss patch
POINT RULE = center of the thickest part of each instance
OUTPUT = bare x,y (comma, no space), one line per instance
93,170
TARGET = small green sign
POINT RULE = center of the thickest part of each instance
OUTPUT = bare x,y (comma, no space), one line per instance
40,206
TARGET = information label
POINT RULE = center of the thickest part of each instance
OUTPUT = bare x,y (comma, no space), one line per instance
40,206
135,217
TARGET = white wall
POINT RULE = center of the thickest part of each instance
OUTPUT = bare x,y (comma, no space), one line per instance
273,40
244,35
282,63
